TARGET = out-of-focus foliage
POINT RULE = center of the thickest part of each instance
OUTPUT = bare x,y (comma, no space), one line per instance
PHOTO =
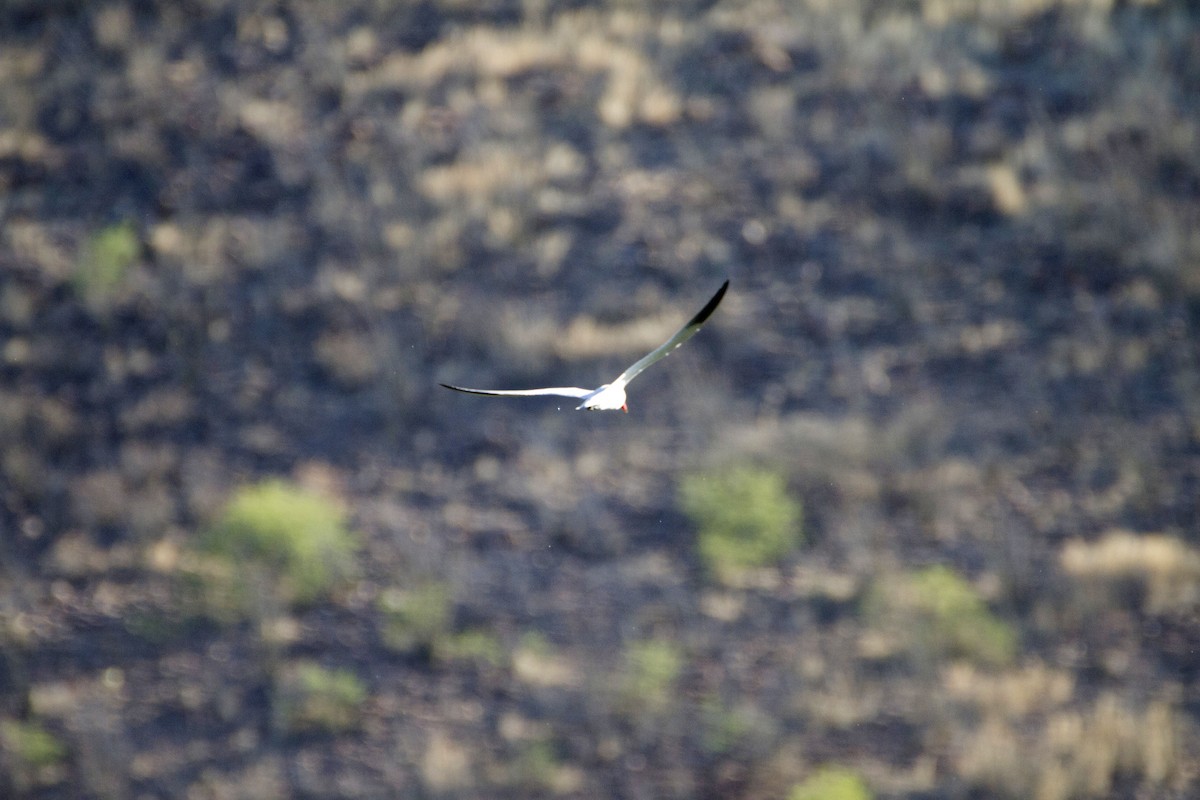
104,262
832,783
31,755
1162,573
936,611
294,536
477,646
730,729
309,697
745,516
416,617
648,676
1085,750
538,767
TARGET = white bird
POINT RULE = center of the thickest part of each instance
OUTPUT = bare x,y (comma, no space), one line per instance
611,396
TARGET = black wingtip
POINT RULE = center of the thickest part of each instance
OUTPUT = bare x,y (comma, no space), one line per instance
710,307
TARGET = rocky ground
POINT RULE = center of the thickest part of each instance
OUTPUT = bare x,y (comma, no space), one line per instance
244,241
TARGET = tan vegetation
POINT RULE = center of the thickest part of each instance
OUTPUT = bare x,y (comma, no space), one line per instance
1075,754
1164,569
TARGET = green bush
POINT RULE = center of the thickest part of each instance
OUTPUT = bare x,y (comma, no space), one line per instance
309,698
476,646
536,766
651,668
726,729
31,755
415,618
298,538
104,262
745,516
941,612
831,783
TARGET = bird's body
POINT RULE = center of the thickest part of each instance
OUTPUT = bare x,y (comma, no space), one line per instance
608,397
611,396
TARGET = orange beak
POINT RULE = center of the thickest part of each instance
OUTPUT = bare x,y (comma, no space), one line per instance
625,408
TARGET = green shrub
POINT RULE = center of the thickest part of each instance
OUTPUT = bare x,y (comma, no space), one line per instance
476,646
745,516
415,618
536,766
831,783
297,538
104,262
729,728
651,668
309,698
31,754
941,612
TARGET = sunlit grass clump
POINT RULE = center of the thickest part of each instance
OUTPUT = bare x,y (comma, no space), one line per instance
1112,746
537,662
310,698
1159,572
746,518
278,531
938,612
832,783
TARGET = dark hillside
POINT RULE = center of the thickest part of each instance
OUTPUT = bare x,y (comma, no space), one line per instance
917,514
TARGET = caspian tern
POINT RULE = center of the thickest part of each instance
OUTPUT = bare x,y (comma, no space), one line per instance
611,396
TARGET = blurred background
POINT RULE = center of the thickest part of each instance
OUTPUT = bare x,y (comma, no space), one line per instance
916,515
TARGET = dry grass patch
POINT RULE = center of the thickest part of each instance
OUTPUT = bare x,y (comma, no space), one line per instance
537,663
842,700
1033,688
1077,753
942,12
446,765
609,45
1163,570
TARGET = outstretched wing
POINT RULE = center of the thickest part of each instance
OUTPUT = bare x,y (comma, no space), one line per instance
559,391
682,335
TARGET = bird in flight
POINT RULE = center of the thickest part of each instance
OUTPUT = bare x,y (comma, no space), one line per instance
611,396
